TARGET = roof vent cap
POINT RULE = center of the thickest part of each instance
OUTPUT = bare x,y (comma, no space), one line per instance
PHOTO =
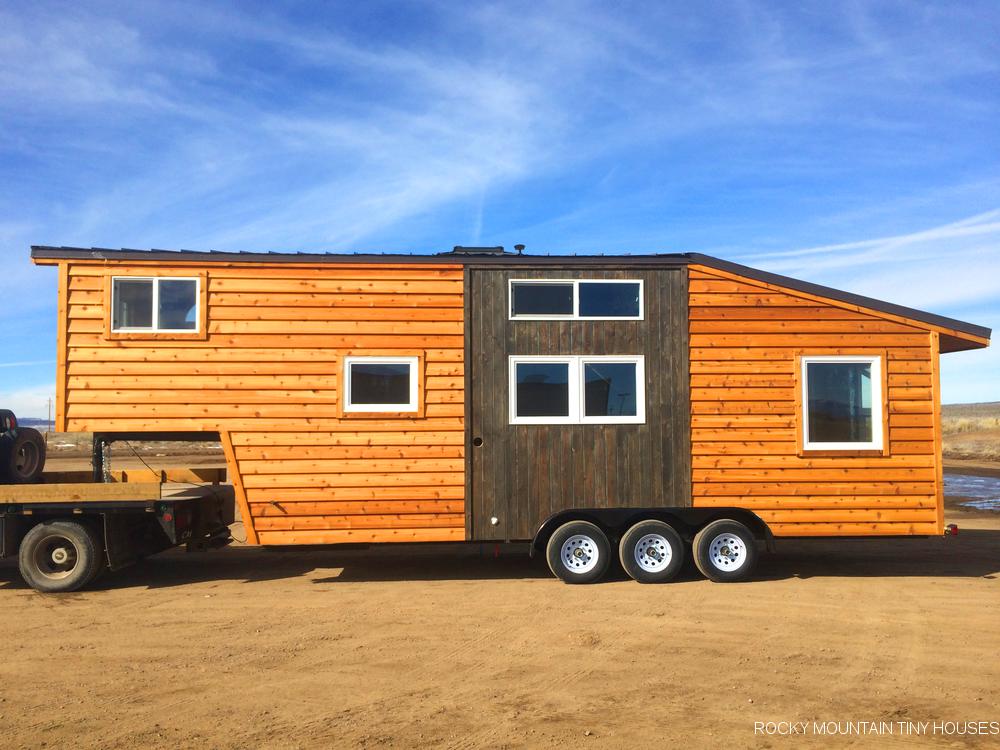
462,250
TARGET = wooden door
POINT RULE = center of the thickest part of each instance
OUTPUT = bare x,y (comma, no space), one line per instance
519,474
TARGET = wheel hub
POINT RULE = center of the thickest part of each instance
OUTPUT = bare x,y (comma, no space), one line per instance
55,557
579,554
727,552
653,553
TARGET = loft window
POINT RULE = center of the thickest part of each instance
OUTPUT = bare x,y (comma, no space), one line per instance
577,390
541,299
380,384
576,299
610,299
159,305
842,403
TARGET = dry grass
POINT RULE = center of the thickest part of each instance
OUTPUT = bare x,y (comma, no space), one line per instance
953,425
971,431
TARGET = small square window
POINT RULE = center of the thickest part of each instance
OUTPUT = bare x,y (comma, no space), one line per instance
542,389
133,303
177,305
842,403
154,305
610,389
380,384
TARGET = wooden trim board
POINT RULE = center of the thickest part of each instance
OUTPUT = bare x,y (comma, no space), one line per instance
81,492
237,480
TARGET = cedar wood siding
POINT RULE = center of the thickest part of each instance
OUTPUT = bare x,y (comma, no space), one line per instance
267,377
746,413
266,373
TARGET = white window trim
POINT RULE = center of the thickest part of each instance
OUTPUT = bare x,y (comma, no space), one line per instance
575,283
577,393
156,305
414,384
878,403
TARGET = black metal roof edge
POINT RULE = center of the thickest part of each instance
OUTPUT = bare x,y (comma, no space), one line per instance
854,299
46,252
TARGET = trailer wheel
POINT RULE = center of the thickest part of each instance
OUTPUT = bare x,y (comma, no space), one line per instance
725,551
58,556
651,552
578,552
26,458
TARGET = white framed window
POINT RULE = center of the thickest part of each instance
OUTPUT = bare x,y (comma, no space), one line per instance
577,390
158,304
842,402
374,384
575,299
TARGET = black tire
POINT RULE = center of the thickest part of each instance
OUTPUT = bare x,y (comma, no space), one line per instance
589,559
25,458
734,555
57,556
656,543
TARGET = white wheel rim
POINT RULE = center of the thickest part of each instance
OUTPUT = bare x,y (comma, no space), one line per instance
579,554
727,552
653,553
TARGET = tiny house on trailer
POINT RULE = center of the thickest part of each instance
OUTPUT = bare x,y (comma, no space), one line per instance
664,404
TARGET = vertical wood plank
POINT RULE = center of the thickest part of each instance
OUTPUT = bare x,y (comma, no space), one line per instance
467,296
62,323
935,346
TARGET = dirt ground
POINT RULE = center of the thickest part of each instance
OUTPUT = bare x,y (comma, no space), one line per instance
453,647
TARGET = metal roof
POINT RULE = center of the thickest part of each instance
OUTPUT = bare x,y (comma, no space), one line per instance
498,257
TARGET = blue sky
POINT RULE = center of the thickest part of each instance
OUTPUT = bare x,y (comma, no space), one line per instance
852,144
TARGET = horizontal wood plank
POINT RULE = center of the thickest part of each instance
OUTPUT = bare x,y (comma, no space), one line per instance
363,536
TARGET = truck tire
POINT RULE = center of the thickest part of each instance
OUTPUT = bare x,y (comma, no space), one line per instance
25,456
578,552
725,551
651,552
57,556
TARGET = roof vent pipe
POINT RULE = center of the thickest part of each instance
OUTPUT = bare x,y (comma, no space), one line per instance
520,249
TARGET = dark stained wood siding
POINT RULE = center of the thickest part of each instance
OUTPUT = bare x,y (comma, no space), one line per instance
524,473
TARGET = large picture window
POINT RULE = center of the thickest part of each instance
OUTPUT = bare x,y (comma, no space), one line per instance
842,403
577,390
576,299
377,384
157,305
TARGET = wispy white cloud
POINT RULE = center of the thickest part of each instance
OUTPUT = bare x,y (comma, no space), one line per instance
580,126
957,263
28,363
